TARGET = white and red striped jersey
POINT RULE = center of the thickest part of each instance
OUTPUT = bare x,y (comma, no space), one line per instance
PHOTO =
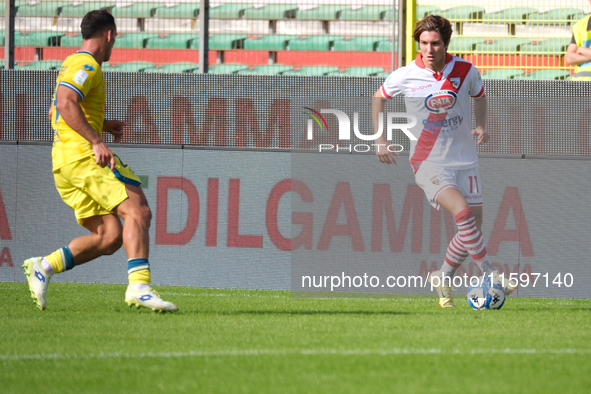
441,103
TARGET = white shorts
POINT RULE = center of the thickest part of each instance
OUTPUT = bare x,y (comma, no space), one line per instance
433,179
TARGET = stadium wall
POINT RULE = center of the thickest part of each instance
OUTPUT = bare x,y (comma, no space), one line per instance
235,143
223,218
525,117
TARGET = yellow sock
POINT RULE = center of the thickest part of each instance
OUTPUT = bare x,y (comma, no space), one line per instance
138,271
61,260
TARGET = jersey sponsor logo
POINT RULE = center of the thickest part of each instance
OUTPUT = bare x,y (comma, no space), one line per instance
80,77
439,126
421,88
88,67
441,101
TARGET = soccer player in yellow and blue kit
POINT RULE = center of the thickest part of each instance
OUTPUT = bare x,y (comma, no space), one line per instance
90,178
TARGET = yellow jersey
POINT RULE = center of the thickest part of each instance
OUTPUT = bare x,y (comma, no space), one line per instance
81,73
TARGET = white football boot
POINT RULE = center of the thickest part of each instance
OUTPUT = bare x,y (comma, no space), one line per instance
444,290
149,299
506,283
38,280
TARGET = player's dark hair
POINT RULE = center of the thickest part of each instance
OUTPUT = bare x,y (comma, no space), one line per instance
433,23
96,23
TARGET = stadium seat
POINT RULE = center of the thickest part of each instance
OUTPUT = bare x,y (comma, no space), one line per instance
365,13
183,10
386,45
267,70
464,13
17,3
387,15
358,72
134,40
136,10
172,41
502,46
38,39
358,44
269,43
383,75
460,45
547,75
556,16
183,67
228,11
424,10
2,39
131,67
313,70
313,43
41,65
222,41
509,15
504,73
227,68
322,12
82,9
271,11
43,8
553,46
71,41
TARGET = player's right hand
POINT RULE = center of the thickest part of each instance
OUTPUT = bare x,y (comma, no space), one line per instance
103,155
385,156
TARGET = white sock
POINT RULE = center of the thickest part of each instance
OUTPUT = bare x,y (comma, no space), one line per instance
46,266
139,287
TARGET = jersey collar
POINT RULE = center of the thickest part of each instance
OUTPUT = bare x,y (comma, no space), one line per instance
88,53
437,75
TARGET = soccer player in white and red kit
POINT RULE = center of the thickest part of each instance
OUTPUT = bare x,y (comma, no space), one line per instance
437,87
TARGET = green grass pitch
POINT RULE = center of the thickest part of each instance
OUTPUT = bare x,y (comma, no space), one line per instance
239,341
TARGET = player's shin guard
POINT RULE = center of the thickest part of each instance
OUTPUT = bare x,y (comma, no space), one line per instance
61,260
472,240
138,271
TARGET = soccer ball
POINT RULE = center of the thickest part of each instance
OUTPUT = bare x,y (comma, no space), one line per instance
488,294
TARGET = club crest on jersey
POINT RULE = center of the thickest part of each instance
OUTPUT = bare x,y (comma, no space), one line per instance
455,82
441,101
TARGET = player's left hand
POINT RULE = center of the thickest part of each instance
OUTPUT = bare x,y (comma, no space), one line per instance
114,127
482,135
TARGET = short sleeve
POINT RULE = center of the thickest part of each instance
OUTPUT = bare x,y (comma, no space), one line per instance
392,85
476,85
82,78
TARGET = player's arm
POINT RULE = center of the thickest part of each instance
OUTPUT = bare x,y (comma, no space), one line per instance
378,106
480,110
50,112
68,105
577,55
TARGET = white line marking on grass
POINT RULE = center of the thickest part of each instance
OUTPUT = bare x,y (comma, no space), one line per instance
286,352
